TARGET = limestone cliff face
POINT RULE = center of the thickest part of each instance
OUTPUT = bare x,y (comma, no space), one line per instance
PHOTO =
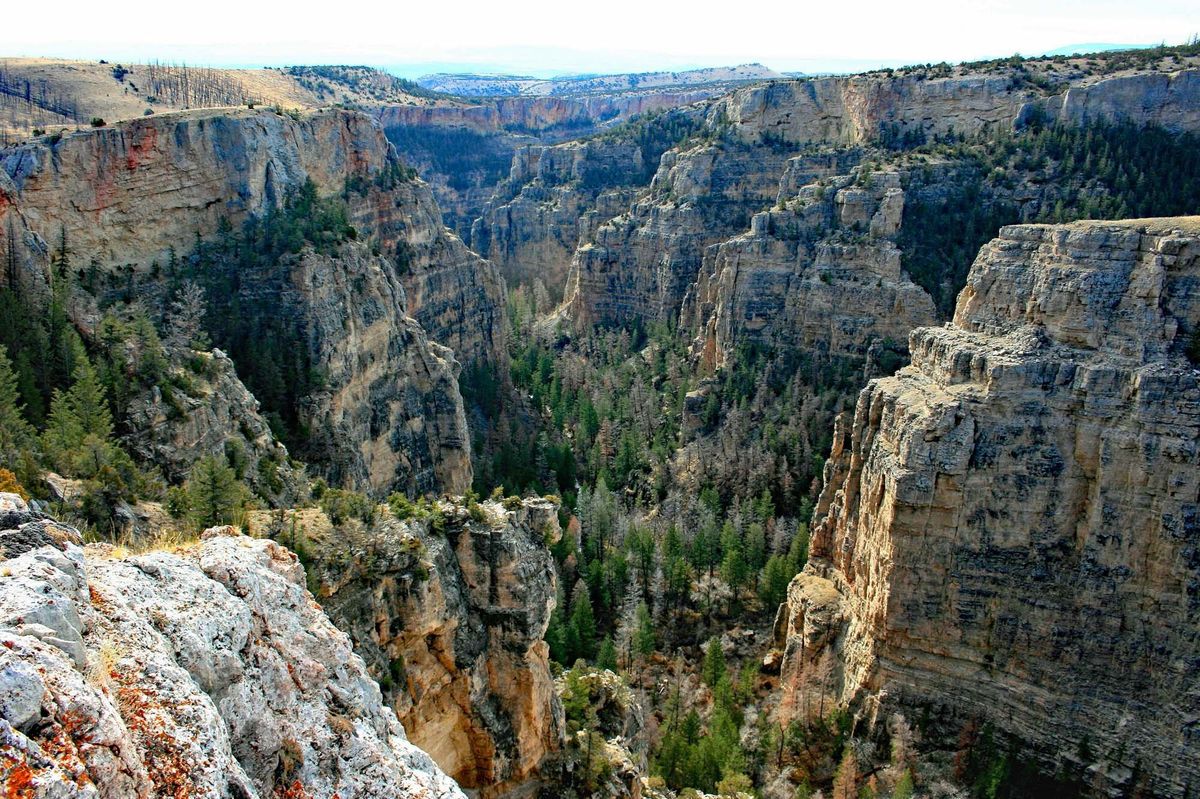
853,110
450,616
555,198
641,263
1009,525
820,272
207,672
125,199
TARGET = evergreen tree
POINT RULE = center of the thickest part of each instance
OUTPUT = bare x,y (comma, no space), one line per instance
15,433
556,633
213,492
607,657
734,569
77,414
644,639
777,575
583,627
713,669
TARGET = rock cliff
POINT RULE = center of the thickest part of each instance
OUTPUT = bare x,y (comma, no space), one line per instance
858,108
128,200
641,263
553,199
819,272
218,417
207,672
124,197
449,612
761,144
1008,530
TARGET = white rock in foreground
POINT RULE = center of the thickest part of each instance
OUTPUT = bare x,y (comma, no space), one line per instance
204,673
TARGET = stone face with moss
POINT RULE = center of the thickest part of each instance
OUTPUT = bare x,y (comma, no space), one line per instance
207,671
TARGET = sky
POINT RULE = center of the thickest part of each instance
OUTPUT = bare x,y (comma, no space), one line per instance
552,37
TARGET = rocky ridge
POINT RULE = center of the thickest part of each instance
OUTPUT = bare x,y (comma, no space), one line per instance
1008,526
206,672
449,612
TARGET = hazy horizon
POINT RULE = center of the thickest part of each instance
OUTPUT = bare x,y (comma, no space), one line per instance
543,39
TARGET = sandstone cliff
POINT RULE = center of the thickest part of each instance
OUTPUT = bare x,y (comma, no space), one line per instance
449,612
1008,529
127,201
207,672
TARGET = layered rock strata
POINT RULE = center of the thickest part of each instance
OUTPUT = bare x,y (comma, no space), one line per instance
450,612
130,200
1009,527
819,272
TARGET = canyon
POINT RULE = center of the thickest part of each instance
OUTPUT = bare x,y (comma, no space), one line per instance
637,312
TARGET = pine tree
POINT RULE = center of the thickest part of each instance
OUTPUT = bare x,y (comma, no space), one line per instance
845,781
77,414
214,494
904,786
776,576
15,433
556,633
607,657
583,626
713,668
644,639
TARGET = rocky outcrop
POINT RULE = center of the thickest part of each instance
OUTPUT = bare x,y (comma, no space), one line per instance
642,263
131,200
449,612
818,273
767,141
555,198
857,109
217,416
1008,530
207,672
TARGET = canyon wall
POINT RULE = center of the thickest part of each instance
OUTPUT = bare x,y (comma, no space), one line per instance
1008,530
205,672
855,109
819,272
561,116
553,199
128,201
449,612
663,257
